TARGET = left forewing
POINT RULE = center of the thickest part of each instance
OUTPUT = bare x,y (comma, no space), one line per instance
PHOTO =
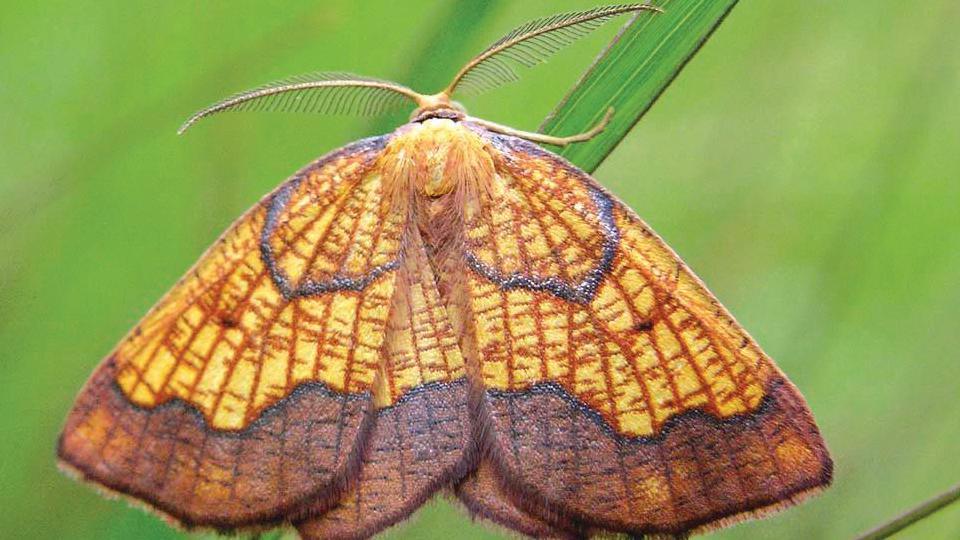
247,389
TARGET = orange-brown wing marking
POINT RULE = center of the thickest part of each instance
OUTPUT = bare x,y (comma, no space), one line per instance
244,391
342,236
421,441
618,388
483,495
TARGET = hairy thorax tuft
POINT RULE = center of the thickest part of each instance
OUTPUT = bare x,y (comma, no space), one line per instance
436,157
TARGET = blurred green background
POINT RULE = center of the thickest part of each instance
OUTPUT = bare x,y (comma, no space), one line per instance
806,164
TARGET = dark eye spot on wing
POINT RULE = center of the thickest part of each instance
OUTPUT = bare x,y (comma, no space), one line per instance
643,326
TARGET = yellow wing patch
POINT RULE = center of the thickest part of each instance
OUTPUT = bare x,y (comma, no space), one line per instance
517,232
338,224
235,335
570,287
420,345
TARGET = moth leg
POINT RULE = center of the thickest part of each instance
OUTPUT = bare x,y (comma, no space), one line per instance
547,139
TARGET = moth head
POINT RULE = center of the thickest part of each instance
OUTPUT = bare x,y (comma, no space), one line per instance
438,106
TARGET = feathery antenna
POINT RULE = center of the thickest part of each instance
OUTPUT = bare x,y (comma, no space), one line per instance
326,92
346,93
531,44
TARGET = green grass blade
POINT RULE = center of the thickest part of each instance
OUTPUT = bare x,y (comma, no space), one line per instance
631,73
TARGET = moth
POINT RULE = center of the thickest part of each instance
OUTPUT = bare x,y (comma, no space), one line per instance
447,307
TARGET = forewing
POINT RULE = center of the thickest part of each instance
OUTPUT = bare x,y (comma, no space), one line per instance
421,439
245,390
617,388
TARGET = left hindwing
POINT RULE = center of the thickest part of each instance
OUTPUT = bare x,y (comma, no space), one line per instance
421,438
617,388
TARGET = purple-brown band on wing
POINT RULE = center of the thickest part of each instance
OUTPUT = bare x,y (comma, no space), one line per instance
484,497
303,448
559,456
419,445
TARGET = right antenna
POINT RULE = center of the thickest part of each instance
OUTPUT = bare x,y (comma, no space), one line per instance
531,44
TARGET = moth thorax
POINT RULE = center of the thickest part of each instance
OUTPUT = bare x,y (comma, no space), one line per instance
436,156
